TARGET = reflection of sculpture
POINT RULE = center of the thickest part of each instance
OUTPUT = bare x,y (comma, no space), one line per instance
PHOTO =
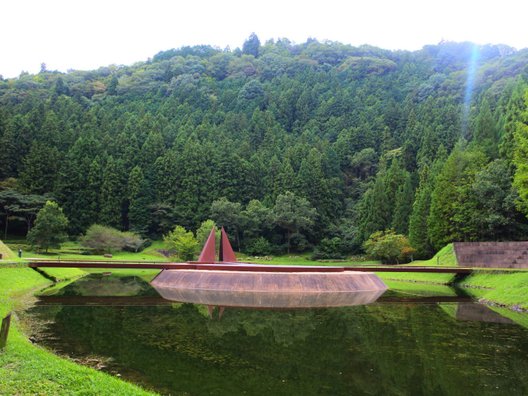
265,286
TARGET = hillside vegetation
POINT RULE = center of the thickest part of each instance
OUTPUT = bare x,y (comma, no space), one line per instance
362,139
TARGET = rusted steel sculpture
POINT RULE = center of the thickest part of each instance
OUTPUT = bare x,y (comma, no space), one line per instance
227,282
208,254
226,251
226,254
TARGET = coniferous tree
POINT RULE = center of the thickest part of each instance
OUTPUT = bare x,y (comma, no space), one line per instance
50,227
453,208
403,206
111,199
138,195
40,168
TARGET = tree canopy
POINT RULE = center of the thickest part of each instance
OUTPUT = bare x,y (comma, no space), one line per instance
285,145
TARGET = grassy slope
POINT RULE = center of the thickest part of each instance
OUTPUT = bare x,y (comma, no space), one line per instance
510,289
7,253
507,288
445,257
27,369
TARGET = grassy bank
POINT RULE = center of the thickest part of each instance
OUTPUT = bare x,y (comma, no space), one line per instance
28,369
6,252
508,289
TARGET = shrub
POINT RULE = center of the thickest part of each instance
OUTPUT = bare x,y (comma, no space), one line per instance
389,247
183,242
102,239
134,242
329,248
259,247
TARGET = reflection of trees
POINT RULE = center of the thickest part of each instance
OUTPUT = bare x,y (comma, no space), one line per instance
99,285
376,349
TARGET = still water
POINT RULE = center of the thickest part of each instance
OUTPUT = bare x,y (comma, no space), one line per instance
417,345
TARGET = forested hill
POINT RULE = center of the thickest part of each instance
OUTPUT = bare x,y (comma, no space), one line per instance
431,143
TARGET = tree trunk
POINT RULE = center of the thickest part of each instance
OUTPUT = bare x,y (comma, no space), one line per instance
289,237
7,222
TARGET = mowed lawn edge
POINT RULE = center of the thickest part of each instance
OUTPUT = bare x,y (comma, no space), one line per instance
27,369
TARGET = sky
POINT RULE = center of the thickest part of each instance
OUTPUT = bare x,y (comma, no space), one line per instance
87,34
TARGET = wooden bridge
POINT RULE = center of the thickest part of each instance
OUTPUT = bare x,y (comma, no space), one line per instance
223,266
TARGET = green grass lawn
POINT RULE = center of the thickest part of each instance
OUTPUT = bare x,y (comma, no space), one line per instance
445,257
303,259
508,288
430,278
419,289
72,250
6,252
26,369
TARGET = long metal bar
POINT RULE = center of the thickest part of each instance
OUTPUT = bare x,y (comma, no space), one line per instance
243,267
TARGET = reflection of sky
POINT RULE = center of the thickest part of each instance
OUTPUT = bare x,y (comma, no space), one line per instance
472,67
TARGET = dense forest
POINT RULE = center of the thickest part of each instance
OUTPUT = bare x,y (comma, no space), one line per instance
313,145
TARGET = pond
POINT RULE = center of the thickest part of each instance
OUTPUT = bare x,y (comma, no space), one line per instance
433,342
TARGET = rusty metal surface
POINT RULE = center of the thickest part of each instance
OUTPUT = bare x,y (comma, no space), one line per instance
209,250
226,251
242,267
270,281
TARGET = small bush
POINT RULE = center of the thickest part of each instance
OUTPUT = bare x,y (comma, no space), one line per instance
329,248
259,247
101,239
183,242
389,247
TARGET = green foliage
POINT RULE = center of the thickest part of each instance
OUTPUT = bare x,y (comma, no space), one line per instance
350,129
251,45
228,214
138,196
259,247
453,210
182,242
388,247
520,155
257,219
103,239
329,248
202,233
50,227
293,214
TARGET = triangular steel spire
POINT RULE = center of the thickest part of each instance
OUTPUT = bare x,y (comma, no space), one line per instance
226,251
208,254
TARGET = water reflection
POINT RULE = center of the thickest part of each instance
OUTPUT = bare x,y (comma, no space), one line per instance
277,300
393,346
479,313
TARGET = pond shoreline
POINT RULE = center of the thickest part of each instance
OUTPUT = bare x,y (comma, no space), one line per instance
26,367
506,290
